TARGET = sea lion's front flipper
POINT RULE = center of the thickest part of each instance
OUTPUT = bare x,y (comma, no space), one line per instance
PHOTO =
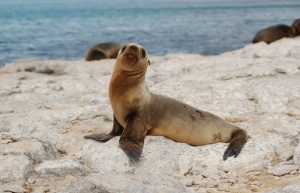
117,130
99,137
132,138
238,140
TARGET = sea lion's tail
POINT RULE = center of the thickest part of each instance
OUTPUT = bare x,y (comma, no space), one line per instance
238,140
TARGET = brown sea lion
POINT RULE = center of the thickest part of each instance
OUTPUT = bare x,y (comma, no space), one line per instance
138,112
103,51
277,32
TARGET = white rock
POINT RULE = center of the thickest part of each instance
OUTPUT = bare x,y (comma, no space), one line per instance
142,181
292,188
198,179
236,188
14,169
4,126
6,141
223,187
6,110
38,190
286,153
213,174
207,190
62,167
42,114
282,170
294,172
13,188
290,162
187,181
296,157
38,151
203,183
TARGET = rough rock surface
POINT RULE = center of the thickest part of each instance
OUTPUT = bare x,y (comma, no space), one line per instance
61,167
292,188
46,107
297,155
141,181
282,170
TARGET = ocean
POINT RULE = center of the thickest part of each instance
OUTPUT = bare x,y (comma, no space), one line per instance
66,29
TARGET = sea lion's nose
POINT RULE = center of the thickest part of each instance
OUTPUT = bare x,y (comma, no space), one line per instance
133,47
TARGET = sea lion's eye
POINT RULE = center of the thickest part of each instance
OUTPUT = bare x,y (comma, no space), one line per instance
143,53
124,48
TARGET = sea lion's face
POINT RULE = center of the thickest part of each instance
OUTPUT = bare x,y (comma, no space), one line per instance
296,24
132,57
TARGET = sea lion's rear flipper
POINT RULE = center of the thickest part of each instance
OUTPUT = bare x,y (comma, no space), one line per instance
132,138
238,140
117,130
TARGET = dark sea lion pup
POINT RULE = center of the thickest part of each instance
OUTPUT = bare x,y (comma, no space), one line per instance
277,32
138,112
103,51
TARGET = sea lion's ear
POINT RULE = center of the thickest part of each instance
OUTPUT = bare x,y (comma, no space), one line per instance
149,62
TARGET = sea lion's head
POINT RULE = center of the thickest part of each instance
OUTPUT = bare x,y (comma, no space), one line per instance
296,27
132,58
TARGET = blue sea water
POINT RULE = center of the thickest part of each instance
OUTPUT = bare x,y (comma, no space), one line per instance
66,29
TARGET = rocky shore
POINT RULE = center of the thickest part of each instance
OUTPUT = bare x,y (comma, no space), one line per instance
46,107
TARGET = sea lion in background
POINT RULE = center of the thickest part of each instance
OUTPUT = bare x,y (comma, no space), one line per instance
138,112
296,27
277,32
103,51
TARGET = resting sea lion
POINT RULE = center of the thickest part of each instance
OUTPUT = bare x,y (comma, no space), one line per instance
138,112
277,32
103,51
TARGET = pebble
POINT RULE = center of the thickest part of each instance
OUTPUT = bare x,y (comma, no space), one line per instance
254,188
223,187
187,181
198,179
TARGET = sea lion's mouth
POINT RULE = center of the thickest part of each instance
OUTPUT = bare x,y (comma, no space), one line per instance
131,56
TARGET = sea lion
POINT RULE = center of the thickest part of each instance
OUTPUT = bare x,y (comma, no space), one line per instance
138,112
103,51
277,32
296,27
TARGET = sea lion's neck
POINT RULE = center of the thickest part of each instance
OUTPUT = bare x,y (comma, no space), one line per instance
123,82
128,91
121,77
